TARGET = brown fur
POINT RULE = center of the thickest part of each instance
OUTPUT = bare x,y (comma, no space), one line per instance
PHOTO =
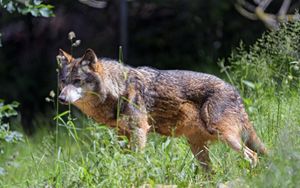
201,107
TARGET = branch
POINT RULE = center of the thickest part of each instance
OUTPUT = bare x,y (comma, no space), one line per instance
269,20
256,11
245,12
284,7
94,3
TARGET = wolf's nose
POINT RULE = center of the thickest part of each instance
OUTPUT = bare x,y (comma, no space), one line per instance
62,99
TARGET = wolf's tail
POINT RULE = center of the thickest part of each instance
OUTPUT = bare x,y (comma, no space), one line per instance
251,139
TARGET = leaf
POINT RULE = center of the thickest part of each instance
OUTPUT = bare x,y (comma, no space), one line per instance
45,12
248,101
61,115
37,2
15,104
249,84
2,171
10,7
166,144
14,136
34,12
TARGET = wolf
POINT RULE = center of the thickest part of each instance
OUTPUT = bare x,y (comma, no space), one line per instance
135,101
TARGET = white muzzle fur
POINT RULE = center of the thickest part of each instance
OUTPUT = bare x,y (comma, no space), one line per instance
71,93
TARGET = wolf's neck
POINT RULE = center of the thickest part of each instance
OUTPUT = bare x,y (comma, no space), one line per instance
115,75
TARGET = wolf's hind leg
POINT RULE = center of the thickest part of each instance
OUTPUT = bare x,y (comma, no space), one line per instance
252,140
199,148
201,153
231,134
237,144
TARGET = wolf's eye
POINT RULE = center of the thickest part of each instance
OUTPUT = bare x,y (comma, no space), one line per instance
63,81
77,81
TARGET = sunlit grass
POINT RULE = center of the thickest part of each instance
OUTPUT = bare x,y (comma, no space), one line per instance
99,158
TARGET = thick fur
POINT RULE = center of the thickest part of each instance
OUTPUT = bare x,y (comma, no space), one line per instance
201,107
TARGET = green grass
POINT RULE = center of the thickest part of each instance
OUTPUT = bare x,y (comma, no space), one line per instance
99,158
81,153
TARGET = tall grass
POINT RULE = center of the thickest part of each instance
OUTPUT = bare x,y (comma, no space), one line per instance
82,153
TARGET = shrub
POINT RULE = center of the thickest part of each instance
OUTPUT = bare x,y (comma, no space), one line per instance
273,62
33,7
6,135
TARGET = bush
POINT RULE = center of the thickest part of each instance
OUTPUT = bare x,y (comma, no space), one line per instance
33,7
6,135
273,62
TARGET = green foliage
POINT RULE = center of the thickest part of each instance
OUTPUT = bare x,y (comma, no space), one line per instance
34,7
273,62
7,111
6,135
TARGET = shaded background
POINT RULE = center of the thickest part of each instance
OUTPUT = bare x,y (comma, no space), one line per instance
163,34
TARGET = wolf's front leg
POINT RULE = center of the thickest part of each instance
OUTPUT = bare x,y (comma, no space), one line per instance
136,121
134,109
137,128
139,135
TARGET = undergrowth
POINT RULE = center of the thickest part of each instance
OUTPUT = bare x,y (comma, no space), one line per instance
82,153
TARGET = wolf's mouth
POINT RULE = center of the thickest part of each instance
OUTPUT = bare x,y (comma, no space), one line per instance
62,100
64,103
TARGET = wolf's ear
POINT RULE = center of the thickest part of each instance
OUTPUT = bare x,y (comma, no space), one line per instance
64,56
89,57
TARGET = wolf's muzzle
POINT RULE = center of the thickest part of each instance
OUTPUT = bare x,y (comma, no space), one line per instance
62,99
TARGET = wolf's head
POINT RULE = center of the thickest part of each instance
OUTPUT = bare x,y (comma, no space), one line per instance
78,77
